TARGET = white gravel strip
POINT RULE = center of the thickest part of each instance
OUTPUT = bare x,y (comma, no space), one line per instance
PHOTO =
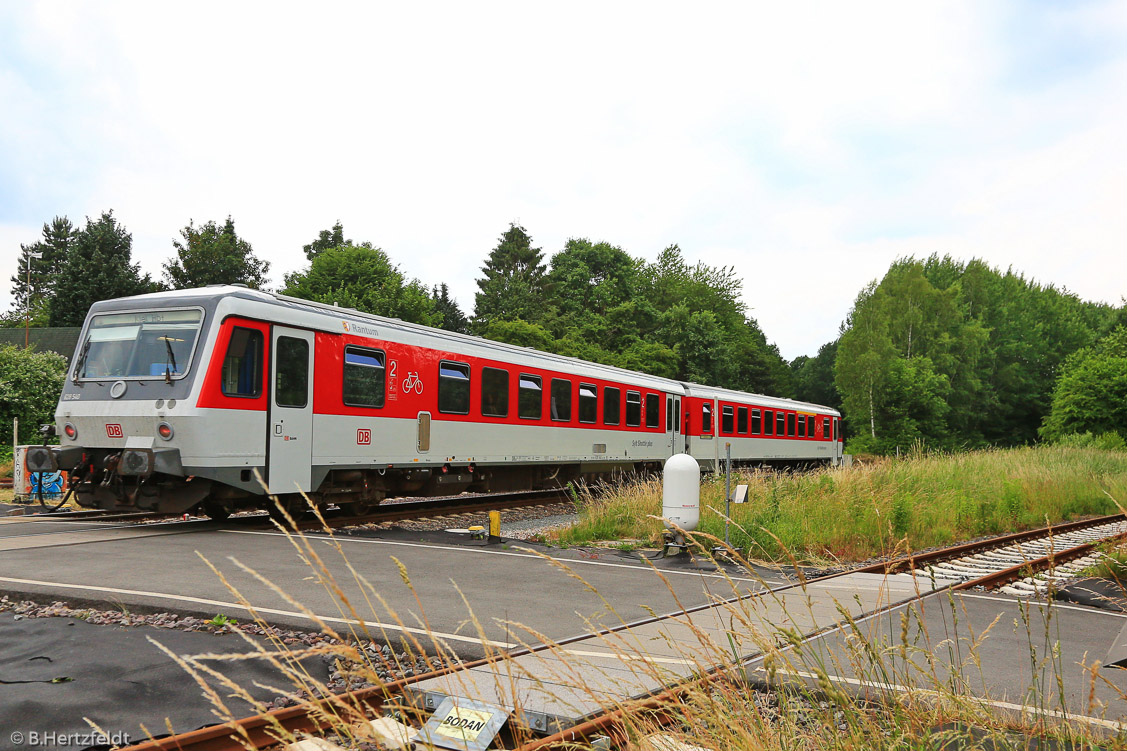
527,529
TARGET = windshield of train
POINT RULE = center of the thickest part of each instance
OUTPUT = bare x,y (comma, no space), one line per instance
154,344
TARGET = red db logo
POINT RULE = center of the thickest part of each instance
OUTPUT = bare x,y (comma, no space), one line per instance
113,430
363,437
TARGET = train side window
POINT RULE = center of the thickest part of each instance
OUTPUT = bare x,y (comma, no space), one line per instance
363,384
826,429
741,421
561,400
727,420
242,365
677,414
588,402
756,422
291,386
633,409
768,422
706,418
612,405
531,397
802,426
454,388
653,411
790,424
494,392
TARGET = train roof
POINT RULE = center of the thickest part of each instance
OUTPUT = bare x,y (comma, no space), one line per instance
328,318
761,400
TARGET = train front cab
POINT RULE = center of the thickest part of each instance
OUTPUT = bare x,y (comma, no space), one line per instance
178,399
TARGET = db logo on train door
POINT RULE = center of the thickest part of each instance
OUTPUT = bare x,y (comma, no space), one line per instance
113,430
363,437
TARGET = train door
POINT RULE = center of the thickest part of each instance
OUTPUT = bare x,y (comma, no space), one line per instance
290,443
673,423
685,429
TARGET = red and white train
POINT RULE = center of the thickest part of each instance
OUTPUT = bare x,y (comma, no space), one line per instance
219,397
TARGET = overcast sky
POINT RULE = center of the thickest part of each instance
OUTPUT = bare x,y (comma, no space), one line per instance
807,145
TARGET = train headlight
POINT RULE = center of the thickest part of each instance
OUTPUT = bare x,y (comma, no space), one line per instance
71,431
164,430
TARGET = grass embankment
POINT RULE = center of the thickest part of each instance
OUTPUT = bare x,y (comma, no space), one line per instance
866,511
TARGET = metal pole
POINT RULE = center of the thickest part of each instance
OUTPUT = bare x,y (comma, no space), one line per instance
27,300
27,304
727,489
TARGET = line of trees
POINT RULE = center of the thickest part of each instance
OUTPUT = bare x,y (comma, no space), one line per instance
960,355
80,266
941,352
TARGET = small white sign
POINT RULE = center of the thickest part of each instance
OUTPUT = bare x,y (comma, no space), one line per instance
463,724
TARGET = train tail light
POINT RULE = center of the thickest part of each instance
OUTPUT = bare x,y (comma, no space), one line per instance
164,430
71,431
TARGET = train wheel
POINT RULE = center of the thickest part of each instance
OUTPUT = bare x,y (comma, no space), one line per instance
215,510
294,504
358,508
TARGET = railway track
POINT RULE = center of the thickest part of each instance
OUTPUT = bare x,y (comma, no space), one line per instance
98,523
989,563
1021,564
393,510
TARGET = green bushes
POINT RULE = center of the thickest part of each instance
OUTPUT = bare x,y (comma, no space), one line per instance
1085,440
30,384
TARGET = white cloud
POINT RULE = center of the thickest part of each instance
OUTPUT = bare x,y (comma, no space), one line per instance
806,145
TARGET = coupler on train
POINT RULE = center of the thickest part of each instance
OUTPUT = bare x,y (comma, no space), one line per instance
133,478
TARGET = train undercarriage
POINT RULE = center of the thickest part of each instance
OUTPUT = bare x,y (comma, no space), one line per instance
145,481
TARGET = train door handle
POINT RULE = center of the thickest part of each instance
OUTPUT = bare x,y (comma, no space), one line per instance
277,428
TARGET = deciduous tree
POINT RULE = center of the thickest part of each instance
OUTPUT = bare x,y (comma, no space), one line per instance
214,254
363,277
327,238
1091,393
30,384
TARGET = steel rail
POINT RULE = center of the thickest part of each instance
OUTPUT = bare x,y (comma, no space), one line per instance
915,560
429,509
233,736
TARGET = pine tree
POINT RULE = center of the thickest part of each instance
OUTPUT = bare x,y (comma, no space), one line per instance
513,282
58,238
211,254
97,268
453,319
